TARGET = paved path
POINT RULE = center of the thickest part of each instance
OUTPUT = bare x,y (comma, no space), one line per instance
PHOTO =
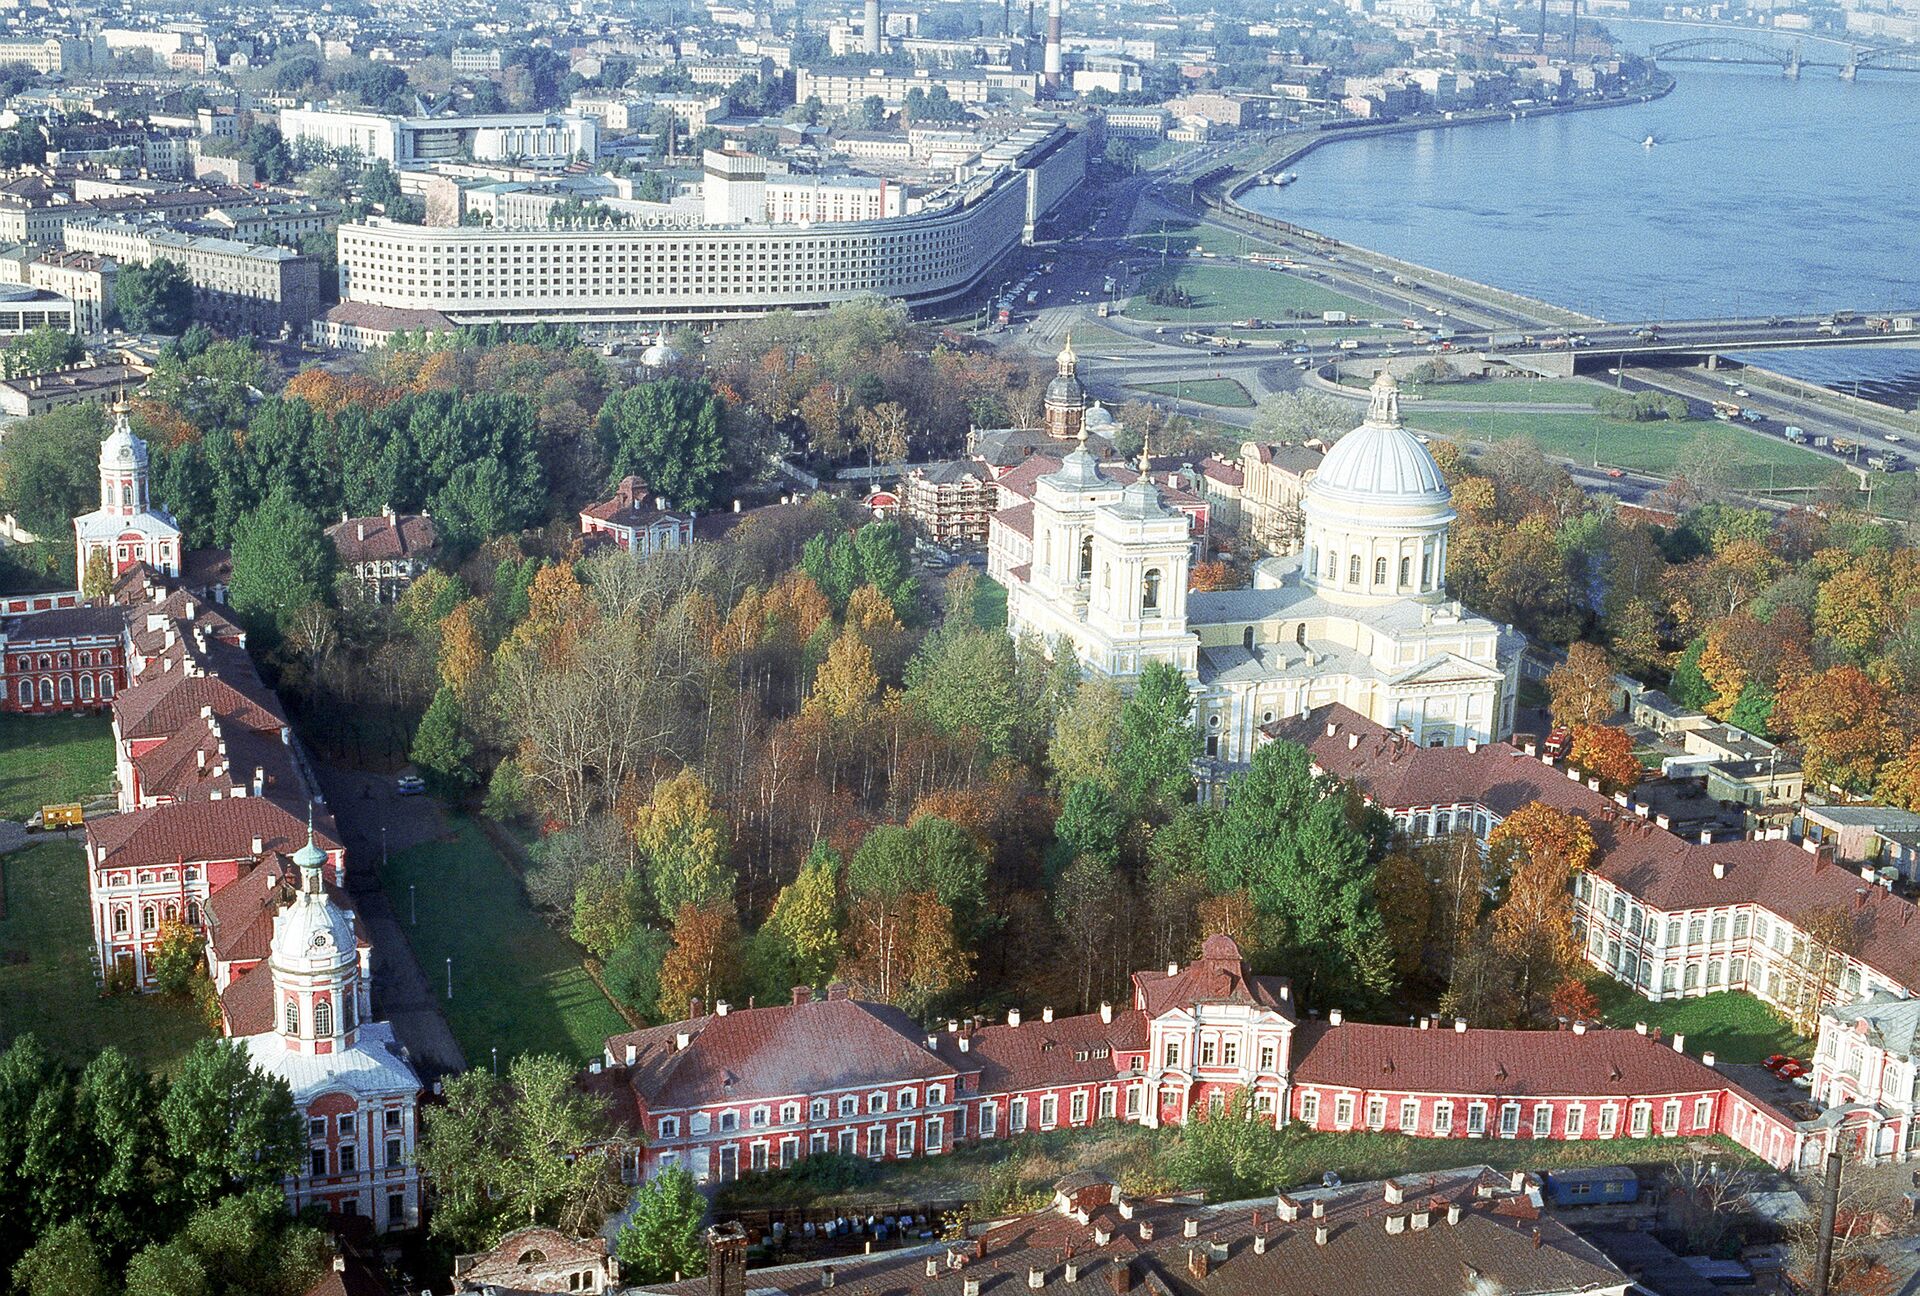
363,805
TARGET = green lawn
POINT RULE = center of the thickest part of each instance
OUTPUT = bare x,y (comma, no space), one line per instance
990,604
1235,291
1019,1173
518,985
1755,461
47,982
1183,234
1092,339
48,760
1223,392
1734,1025
1502,391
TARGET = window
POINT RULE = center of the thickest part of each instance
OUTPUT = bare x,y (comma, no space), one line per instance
759,1117
1543,1121
936,1094
316,1127
817,1109
1173,1053
905,1100
346,1125
1409,1115
1673,931
849,1105
989,1118
1406,570
789,1113
1642,1117
292,1017
903,1139
323,1022
1229,1053
317,1162
1086,558
1106,1104
1266,1057
1476,1119
848,1140
1702,1114
1206,1052
817,1141
936,1135
349,1159
757,1157
1077,1109
876,1141
1133,1100
729,1122
1150,592
1049,1111
1376,1112
1380,571
394,1157
1343,1111
1017,1116
1670,1117
119,922
1609,1121
1740,926
876,1103
1353,570
699,1123
1443,1118
1509,1119
1309,1109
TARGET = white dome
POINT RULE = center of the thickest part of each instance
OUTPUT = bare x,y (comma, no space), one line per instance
1099,416
122,449
1380,462
659,356
313,934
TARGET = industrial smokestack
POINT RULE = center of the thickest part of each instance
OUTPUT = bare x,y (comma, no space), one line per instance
1053,45
873,26
1006,18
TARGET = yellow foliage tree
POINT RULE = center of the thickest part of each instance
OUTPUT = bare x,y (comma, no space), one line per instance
846,681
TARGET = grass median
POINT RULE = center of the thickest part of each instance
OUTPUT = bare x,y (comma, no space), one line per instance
1235,291
51,760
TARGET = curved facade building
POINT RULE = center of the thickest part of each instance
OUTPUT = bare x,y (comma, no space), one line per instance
644,277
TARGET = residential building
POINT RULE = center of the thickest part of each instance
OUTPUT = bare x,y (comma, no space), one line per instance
1417,1235
54,55
1273,488
1138,123
87,384
237,287
1858,834
1866,1070
1361,616
60,659
475,60
838,88
737,1091
949,503
549,138
357,326
84,278
387,552
636,520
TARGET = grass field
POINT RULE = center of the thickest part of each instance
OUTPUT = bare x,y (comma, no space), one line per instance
1223,392
1736,1026
990,604
1092,339
47,984
1178,234
1501,391
1754,462
47,760
1232,292
1018,1174
518,985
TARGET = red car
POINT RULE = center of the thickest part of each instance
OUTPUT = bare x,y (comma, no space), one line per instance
1791,1069
1775,1061
1559,742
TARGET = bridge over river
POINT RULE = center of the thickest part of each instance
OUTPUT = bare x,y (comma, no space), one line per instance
1770,49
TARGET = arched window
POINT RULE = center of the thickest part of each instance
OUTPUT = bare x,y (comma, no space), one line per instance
1300,634
86,659
1426,568
119,922
322,1018
346,1013
1406,570
147,923
46,692
1333,565
66,660
1086,558
106,686
193,912
66,688
26,693
1150,591
1353,570
172,910
293,1017
1246,638
86,688
1379,571
126,494
46,661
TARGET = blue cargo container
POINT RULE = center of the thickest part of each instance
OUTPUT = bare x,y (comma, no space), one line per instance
1593,1186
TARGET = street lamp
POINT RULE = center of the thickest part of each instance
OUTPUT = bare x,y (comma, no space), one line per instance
413,911
449,977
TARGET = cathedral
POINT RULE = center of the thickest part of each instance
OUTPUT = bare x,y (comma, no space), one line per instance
1359,617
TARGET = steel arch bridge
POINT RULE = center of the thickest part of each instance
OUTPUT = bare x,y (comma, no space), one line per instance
1725,49
1893,58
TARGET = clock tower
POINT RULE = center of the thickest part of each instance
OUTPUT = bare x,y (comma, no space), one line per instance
315,964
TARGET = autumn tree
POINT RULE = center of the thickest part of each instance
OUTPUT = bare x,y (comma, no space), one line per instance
846,682
1406,908
1581,688
1086,736
799,943
882,431
1572,1000
1839,718
1538,849
1214,575
705,962
683,837
1605,753
916,899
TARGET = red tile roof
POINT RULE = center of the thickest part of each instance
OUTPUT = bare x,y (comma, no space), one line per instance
1018,519
202,830
632,505
1064,1051
248,1002
384,536
1219,975
770,1052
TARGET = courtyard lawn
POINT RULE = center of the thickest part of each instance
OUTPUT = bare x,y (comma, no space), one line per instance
47,982
1018,1173
990,604
1755,461
1223,392
518,985
1733,1025
1235,291
51,760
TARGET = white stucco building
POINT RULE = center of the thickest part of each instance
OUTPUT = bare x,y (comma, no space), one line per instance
1359,617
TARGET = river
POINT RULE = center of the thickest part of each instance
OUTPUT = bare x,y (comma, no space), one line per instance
1760,195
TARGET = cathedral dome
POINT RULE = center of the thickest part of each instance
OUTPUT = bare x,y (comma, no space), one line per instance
659,356
1066,389
1380,462
122,449
313,934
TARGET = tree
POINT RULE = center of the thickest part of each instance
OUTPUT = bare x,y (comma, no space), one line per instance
1581,688
606,908
229,1127
1228,1153
705,961
1605,753
475,505
1816,962
1688,686
1301,416
1085,903
668,432
156,298
1286,838
440,748
1839,718
799,944
961,681
41,350
1573,1001
1153,763
882,429
632,971
661,1239
1212,576
682,836
49,467
178,957
1090,824
1538,849
1406,908
282,563
846,682
1086,735
64,1262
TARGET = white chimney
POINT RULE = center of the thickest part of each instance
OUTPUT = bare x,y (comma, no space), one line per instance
1320,1235
720,1007
1013,1016
1046,1015
633,1053
1579,1028
1719,869
1353,740
1706,1058
1173,969
1679,1042
1335,1017
1190,1227
1460,1025
680,1040
1106,1011
1640,1027
966,1043
259,845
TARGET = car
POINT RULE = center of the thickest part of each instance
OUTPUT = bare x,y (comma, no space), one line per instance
409,785
1615,473
1776,1060
1741,391
1894,437
1791,1069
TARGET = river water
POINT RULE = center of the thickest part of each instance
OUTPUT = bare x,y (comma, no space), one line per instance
1760,195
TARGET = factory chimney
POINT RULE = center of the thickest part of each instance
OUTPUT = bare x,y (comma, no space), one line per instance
1053,45
873,27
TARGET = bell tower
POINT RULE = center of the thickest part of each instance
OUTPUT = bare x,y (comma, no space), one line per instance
315,963
1066,401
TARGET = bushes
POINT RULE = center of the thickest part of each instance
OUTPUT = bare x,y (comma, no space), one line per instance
1640,407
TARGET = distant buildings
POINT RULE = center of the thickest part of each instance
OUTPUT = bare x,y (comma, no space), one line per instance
409,141
385,553
238,287
637,521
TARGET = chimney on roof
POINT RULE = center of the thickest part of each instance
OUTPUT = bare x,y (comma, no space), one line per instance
1288,1207
1120,1277
1353,740
361,529
1396,1223
1190,1227
1460,1025
1640,1027
259,845
1579,1028
1517,1181
1335,1016
633,1053
681,1039
1013,1016
1146,1230
1422,1217
200,758
1706,1058
1173,969
1719,869
969,1285
933,1042
1102,1235
1286,991
966,1043
1046,1015
720,1007
1453,1212
727,1259
1706,836
1679,1042
1106,1011
1320,1235
1536,1239
1259,1242
802,995
259,780
1426,1023
696,1007
1036,1277
1197,1263
838,990
933,1266
1071,1271
1394,1192
1319,1208
826,1275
